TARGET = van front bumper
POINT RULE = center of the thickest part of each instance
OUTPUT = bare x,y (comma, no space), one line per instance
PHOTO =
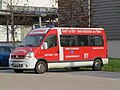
22,63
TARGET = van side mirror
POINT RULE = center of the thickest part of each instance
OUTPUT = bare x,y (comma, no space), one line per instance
44,46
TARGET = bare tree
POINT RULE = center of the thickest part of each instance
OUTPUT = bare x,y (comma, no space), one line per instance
74,13
17,15
4,20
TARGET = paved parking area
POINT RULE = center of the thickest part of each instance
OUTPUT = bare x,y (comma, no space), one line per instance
58,79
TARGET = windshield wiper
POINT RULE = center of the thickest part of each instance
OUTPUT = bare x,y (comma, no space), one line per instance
21,45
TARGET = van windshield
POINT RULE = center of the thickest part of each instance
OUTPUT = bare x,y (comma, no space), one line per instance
32,40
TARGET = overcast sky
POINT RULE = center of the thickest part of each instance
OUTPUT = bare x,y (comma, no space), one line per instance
41,3
35,3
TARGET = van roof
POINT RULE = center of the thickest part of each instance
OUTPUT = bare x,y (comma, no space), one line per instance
77,28
39,31
44,30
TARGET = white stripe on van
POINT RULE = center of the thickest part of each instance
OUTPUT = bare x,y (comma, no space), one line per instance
61,53
69,64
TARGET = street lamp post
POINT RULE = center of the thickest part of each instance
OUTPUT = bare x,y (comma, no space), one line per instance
89,12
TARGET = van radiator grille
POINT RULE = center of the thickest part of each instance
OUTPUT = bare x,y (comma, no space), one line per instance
17,56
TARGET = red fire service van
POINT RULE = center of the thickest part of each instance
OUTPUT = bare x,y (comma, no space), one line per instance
60,47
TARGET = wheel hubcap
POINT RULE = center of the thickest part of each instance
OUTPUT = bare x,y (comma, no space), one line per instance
41,67
97,65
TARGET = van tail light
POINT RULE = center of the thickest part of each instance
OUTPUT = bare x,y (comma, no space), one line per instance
106,53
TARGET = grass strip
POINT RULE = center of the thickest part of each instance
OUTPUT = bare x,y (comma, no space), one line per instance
113,65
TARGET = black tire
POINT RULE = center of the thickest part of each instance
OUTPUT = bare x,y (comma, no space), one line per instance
18,70
75,68
40,67
97,66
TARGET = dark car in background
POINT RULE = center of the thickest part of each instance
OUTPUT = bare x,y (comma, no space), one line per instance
4,55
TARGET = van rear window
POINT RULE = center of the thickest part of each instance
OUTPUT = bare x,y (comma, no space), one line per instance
96,40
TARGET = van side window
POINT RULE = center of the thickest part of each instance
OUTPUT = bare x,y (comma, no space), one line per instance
52,41
96,40
83,40
67,40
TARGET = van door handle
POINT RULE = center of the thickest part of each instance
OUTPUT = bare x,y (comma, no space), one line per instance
58,51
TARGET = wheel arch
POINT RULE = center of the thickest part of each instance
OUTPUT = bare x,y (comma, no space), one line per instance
42,59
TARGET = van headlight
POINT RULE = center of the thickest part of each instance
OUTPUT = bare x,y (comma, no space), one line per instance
10,56
29,55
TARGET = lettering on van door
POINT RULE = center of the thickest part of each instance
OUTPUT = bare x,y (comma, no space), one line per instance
72,53
51,54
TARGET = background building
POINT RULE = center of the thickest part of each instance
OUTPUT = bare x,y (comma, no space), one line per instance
107,15
104,13
31,3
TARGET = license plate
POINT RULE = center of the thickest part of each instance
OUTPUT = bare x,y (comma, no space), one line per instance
15,63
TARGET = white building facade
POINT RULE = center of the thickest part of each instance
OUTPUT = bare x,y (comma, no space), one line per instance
33,5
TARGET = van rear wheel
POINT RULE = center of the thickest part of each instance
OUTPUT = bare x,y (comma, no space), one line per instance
40,67
97,66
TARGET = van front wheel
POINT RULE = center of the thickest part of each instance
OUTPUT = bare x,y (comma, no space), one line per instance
97,66
40,67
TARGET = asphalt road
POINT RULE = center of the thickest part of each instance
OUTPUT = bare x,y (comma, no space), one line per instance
58,79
